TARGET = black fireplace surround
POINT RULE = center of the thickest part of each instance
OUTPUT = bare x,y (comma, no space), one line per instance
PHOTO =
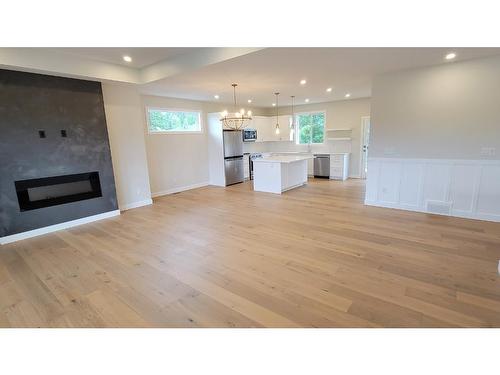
55,160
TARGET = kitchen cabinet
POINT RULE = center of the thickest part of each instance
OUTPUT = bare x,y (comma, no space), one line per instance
284,121
266,128
310,160
276,174
250,124
339,166
263,127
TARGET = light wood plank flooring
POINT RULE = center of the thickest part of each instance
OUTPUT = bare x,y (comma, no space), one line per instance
215,257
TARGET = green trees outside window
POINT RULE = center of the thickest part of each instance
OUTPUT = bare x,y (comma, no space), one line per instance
173,121
311,128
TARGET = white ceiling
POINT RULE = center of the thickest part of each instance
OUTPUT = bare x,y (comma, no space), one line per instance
260,74
141,56
200,73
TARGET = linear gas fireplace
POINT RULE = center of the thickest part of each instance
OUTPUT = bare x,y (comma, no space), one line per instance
52,191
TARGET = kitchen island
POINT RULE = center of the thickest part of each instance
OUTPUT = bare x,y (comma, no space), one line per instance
277,174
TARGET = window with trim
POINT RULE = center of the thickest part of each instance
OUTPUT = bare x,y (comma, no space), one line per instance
310,128
173,121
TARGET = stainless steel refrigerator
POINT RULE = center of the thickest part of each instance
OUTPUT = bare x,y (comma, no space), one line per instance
233,156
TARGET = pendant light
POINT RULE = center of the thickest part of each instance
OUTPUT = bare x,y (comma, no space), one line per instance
277,114
238,119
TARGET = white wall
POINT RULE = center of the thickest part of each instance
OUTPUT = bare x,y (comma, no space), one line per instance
448,111
124,119
428,129
176,161
339,114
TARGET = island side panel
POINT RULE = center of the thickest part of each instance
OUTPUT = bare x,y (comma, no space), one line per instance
267,177
294,174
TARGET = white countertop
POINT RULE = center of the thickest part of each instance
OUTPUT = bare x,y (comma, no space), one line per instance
282,159
289,152
274,153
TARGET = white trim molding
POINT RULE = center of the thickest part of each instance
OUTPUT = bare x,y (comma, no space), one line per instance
179,189
56,227
129,206
453,187
365,123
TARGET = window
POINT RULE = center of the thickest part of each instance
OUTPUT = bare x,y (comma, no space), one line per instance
173,121
310,127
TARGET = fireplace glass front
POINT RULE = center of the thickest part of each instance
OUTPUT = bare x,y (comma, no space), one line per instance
51,191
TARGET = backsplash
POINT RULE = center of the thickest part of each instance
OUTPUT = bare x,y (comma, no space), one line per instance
327,147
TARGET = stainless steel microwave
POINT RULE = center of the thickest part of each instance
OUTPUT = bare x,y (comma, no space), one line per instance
249,135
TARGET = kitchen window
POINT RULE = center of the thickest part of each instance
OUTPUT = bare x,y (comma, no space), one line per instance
310,128
173,121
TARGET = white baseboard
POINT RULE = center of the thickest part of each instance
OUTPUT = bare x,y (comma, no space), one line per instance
468,188
129,206
56,227
178,189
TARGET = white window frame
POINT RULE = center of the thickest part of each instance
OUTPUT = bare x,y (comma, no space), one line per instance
199,111
297,138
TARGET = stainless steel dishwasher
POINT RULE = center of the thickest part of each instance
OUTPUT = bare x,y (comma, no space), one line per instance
322,165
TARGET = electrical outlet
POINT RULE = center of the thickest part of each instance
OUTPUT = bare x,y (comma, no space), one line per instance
488,151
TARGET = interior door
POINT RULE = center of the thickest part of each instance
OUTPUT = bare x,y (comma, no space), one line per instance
365,140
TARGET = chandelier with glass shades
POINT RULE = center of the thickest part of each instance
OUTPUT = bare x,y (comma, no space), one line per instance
238,119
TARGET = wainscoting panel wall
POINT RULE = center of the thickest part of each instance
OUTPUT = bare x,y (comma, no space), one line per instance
463,188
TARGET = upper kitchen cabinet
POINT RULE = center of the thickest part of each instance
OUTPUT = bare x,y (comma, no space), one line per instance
263,127
285,122
266,128
250,123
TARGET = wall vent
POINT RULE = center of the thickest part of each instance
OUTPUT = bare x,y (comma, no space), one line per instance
438,207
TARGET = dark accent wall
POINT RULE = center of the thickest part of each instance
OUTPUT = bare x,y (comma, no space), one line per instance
34,109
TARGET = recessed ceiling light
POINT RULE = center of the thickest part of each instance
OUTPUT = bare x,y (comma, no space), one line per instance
249,100
347,95
307,100
274,104
127,58
329,89
216,96
450,56
303,82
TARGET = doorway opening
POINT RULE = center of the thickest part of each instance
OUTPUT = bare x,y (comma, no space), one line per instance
365,140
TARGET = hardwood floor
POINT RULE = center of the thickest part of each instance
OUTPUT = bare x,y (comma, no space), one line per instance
215,257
